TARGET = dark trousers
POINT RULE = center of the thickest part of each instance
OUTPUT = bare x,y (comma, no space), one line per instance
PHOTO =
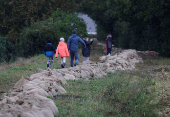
74,54
109,50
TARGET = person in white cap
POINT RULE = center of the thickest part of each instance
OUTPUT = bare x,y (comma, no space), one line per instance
62,50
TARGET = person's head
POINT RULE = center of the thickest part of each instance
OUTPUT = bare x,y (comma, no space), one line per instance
74,31
61,39
109,35
49,41
87,39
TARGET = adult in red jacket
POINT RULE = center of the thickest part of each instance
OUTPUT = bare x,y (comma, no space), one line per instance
62,50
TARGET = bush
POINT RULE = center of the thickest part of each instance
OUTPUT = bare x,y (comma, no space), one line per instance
60,24
6,50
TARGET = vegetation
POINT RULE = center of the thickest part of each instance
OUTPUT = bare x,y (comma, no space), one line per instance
26,25
136,24
140,25
17,14
123,93
7,51
115,95
33,38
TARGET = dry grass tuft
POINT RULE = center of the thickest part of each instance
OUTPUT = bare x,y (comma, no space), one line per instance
19,62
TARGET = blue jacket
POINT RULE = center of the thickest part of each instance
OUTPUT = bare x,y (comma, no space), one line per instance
49,50
73,42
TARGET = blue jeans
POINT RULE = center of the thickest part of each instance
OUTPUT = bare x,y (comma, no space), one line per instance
74,54
109,50
49,62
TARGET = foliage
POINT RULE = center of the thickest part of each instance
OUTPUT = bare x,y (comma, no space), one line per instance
49,97
16,14
60,24
141,25
136,24
7,51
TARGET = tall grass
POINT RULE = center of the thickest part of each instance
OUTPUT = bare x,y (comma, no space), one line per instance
114,95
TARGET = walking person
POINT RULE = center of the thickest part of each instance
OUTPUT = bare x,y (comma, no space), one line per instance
62,50
86,51
109,44
73,44
49,52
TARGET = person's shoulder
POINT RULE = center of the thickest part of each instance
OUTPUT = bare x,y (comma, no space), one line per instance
79,37
65,43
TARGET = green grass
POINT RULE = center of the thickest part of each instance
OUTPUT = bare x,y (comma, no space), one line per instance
134,93
94,98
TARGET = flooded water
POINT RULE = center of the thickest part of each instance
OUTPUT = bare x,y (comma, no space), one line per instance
91,26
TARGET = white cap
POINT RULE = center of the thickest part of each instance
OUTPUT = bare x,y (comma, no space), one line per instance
61,39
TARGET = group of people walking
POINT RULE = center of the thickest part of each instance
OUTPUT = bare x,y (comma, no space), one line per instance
72,46
63,50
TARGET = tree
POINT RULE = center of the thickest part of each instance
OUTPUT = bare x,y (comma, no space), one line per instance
60,24
16,14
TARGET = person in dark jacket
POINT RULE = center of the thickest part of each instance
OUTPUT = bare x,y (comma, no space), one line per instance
86,51
109,43
49,52
73,44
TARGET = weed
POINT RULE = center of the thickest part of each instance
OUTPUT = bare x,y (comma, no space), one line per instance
49,97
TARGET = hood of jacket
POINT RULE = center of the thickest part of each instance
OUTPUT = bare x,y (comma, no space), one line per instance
62,43
74,35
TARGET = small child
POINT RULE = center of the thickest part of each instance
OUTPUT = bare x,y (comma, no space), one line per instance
62,50
86,51
49,52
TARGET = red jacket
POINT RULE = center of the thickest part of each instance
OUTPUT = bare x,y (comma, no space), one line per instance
62,50
106,43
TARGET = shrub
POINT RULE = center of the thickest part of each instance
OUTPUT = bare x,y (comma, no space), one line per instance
60,24
6,50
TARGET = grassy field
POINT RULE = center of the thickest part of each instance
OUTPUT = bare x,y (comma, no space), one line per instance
141,92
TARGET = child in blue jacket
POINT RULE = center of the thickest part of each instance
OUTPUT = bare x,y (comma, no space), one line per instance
49,52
